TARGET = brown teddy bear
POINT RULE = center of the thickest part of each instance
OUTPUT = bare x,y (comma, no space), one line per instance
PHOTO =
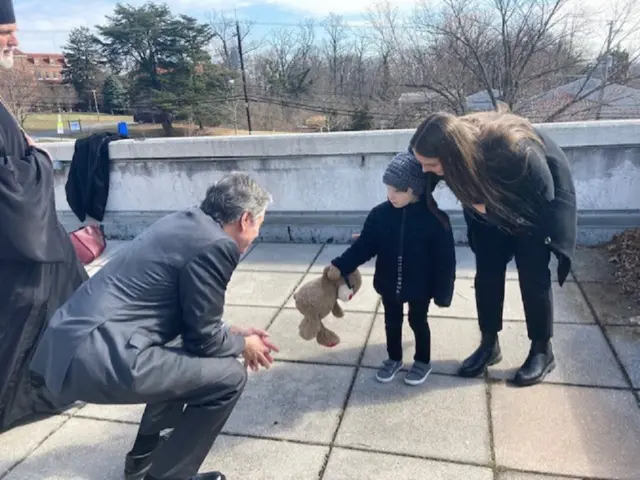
319,297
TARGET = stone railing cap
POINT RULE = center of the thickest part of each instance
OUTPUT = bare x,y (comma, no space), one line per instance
568,134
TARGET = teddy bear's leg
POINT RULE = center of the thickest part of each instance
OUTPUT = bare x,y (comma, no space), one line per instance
309,327
327,337
337,311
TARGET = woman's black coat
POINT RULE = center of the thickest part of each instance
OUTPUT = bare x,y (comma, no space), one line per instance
555,222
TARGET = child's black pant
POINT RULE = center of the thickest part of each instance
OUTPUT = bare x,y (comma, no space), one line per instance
393,316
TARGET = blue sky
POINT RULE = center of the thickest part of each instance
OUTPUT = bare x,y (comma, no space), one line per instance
44,28
45,25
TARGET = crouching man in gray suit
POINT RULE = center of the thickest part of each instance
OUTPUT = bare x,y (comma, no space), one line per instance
147,328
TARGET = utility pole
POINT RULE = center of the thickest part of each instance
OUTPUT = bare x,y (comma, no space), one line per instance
605,76
95,99
244,76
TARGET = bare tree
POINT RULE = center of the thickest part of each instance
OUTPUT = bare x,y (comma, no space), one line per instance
336,49
589,93
57,97
357,67
499,41
225,41
21,91
437,76
384,20
287,66
517,51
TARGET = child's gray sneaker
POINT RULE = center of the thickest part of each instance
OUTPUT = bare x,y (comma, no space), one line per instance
388,370
418,373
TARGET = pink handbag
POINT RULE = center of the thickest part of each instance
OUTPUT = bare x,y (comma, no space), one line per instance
89,242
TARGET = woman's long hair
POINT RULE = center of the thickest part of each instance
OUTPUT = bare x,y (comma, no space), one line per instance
470,148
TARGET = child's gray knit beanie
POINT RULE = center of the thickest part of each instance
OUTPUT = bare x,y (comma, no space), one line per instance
405,172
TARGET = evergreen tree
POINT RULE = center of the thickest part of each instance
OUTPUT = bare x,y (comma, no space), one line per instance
362,119
167,58
114,95
83,66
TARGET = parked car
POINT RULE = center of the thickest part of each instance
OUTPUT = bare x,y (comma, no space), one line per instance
151,115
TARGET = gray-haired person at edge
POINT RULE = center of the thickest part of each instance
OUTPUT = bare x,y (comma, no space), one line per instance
148,328
39,268
518,198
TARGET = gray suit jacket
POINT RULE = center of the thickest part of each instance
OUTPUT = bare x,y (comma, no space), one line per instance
169,282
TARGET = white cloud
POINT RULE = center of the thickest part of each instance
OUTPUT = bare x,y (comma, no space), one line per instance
322,8
183,5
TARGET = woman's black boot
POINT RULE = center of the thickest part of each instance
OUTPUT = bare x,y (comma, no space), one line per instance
539,363
488,353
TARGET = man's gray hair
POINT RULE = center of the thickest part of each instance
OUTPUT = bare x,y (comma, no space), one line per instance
233,195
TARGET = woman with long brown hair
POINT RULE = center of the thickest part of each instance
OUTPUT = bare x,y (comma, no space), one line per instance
518,199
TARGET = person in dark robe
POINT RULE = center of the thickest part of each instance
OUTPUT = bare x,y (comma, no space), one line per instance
39,268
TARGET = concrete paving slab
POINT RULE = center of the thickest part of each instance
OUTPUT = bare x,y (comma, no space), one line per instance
80,450
292,402
277,257
583,356
352,330
452,340
511,475
19,442
73,409
592,265
269,289
566,430
366,300
329,252
355,465
258,459
626,343
611,306
569,304
445,418
258,317
118,413
466,264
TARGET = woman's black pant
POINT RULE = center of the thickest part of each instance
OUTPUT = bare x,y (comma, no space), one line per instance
393,317
494,248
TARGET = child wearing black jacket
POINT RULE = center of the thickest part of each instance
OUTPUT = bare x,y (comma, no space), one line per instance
415,263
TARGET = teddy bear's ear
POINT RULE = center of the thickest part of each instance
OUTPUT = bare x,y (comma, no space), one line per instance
331,272
325,272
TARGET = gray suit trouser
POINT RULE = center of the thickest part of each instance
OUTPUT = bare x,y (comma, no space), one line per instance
194,396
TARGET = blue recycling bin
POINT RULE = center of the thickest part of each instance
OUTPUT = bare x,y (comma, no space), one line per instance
122,129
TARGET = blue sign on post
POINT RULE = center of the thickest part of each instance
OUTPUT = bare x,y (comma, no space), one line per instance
122,129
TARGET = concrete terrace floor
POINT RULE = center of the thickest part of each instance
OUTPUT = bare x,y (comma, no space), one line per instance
320,414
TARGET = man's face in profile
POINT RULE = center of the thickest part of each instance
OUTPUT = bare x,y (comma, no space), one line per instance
248,230
8,43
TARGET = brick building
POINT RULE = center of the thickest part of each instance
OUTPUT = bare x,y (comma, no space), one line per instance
46,67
